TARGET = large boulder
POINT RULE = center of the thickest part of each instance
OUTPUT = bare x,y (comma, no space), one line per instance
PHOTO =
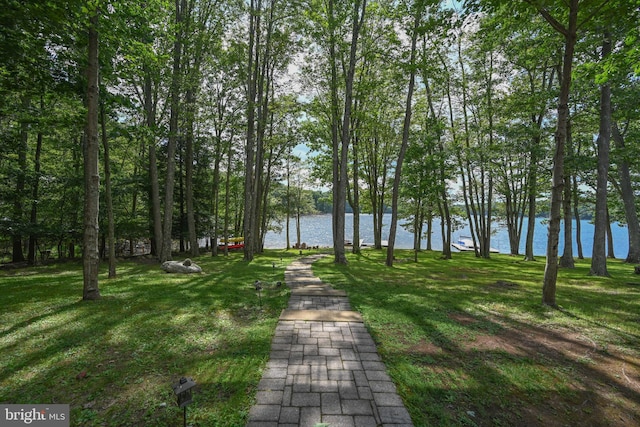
186,266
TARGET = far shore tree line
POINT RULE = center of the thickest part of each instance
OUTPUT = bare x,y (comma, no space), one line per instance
173,121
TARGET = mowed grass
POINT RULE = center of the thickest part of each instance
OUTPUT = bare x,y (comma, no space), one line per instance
468,342
114,360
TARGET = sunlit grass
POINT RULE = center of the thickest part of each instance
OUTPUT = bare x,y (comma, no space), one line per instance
469,342
114,360
445,329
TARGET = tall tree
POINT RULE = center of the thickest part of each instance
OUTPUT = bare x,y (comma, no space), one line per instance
90,255
111,239
569,32
176,84
418,10
599,258
341,146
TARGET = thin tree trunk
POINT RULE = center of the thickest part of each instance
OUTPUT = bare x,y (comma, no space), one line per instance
249,191
18,204
576,216
191,216
566,260
405,139
599,257
288,204
108,197
216,194
340,186
90,255
167,227
31,256
356,197
227,198
335,117
150,122
557,177
610,247
628,198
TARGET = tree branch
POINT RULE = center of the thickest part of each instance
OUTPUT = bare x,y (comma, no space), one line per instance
593,13
549,18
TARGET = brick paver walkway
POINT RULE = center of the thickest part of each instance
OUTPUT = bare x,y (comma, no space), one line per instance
325,371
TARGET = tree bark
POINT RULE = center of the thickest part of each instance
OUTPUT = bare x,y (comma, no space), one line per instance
557,176
628,198
249,181
191,216
18,203
405,138
342,151
576,216
108,197
167,241
31,256
566,260
536,121
90,255
150,123
599,256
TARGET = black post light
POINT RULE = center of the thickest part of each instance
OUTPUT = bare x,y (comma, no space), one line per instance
258,287
182,390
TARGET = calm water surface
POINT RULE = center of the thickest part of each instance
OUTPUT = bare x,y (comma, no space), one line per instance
316,230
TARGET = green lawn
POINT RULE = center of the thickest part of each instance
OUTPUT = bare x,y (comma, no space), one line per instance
114,360
466,340
469,343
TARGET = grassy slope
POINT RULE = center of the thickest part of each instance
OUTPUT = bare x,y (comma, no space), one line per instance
149,329
469,343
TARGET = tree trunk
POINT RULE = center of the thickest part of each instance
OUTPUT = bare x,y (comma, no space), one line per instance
108,198
90,255
167,241
31,256
557,176
78,158
18,204
288,203
355,203
182,213
191,216
536,121
566,260
599,256
610,251
628,198
341,154
215,210
150,123
227,198
249,182
405,139
576,216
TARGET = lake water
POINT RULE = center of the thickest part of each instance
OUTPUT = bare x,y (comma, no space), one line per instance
316,230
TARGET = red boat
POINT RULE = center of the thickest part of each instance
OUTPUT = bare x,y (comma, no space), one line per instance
232,243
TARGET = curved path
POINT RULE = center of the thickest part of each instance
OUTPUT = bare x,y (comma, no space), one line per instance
324,369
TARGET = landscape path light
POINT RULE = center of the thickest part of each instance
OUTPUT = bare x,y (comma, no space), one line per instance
184,396
258,287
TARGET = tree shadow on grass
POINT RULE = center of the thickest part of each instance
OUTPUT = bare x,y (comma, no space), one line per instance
459,358
114,359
